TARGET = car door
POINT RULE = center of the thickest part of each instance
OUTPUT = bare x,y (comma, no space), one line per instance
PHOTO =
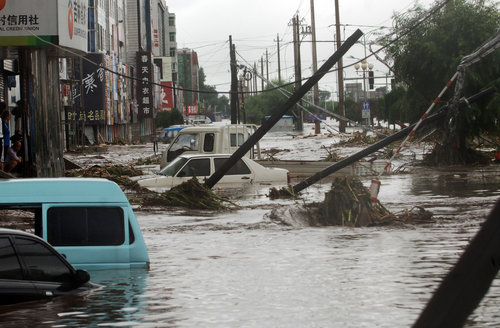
195,167
13,287
239,173
50,275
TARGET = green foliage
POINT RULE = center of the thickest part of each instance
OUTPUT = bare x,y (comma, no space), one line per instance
265,103
209,97
428,57
394,108
165,118
352,109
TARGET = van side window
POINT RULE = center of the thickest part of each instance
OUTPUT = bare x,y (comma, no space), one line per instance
42,263
10,268
239,168
208,142
85,226
234,142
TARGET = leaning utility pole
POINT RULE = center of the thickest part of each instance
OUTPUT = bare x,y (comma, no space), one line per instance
281,110
234,82
339,70
315,58
298,74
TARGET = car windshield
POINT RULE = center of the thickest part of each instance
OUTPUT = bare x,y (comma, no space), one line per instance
185,141
173,166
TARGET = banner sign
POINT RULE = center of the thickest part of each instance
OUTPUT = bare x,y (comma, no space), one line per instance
145,88
191,110
167,96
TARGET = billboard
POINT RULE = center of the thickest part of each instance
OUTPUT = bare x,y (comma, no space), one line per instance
25,24
167,96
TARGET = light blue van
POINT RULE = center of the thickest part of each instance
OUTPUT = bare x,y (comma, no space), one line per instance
88,220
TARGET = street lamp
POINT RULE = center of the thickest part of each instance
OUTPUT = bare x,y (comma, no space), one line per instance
364,66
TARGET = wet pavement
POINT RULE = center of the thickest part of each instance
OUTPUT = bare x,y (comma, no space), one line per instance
240,268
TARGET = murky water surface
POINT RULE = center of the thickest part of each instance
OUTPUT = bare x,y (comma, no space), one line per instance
240,269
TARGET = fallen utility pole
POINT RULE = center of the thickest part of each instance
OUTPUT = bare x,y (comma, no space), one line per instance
276,116
380,144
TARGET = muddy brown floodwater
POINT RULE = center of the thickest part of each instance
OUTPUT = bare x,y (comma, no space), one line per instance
242,269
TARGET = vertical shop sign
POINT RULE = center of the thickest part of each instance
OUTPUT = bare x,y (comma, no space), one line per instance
93,92
145,86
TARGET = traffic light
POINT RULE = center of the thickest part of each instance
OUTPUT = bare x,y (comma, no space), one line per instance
370,79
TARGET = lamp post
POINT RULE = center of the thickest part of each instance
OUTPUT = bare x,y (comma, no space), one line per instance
365,107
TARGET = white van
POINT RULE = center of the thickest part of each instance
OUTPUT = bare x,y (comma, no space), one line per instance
210,139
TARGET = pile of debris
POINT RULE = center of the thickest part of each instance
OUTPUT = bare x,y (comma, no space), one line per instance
190,194
348,203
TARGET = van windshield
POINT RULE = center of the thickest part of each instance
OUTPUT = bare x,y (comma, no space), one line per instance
186,141
173,166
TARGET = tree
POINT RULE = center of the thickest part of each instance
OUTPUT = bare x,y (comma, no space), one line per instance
427,57
168,118
209,97
266,102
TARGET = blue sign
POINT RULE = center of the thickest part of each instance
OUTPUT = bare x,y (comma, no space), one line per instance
365,105
316,116
365,109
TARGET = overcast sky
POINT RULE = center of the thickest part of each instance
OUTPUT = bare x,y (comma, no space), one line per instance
254,25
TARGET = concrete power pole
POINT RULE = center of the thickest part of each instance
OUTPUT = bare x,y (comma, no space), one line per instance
298,74
267,67
262,71
234,83
279,63
315,58
340,70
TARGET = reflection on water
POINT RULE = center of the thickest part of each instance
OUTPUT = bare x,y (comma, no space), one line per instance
237,269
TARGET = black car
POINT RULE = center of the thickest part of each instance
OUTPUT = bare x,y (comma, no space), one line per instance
31,269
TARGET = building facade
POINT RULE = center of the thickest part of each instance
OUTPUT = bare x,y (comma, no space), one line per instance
88,71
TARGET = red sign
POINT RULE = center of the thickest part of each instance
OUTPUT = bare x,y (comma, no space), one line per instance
191,110
167,96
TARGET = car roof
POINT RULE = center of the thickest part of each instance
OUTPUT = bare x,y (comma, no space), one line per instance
17,232
205,155
60,190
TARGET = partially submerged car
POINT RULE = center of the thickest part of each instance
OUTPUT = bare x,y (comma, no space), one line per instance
31,269
88,220
202,166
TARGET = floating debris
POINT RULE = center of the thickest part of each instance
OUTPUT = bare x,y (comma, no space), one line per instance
190,194
348,203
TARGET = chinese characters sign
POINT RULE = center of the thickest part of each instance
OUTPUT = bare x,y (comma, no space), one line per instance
24,24
145,86
93,90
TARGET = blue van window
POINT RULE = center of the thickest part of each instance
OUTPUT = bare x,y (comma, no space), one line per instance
85,226
9,264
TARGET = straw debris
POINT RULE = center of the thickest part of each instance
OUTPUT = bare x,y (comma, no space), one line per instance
190,194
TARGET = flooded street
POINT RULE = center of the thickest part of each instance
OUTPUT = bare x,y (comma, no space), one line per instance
240,268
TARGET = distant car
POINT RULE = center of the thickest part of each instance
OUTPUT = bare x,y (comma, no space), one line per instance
31,269
245,171
169,134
